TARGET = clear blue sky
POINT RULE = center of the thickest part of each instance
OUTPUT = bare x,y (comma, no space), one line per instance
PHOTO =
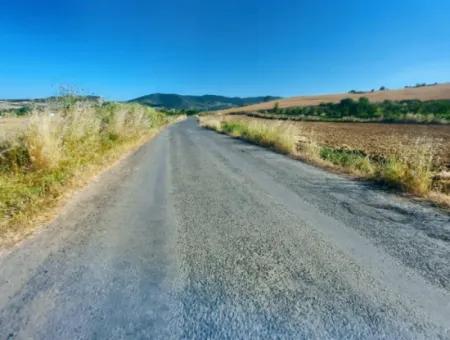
123,49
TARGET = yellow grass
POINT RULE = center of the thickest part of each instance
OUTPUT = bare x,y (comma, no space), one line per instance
411,167
279,136
43,140
58,150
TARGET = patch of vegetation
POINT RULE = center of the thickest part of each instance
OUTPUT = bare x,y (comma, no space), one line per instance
420,85
16,112
176,112
351,159
55,149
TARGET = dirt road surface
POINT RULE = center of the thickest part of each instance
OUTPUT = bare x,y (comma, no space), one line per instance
198,235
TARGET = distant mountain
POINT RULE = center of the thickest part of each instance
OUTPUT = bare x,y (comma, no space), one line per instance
52,98
202,103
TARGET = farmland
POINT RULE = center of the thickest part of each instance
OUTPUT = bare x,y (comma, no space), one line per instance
435,92
398,137
362,110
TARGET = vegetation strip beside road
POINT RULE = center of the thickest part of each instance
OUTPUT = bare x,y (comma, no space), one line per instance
410,168
60,150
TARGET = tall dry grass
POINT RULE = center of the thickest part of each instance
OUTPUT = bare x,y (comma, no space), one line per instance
43,141
55,148
280,136
409,167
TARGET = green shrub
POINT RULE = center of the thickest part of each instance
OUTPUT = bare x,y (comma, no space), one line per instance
353,159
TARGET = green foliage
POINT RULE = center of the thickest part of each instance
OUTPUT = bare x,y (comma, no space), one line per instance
23,111
233,128
19,112
353,159
190,112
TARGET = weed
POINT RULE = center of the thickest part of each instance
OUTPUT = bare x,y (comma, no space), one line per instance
351,159
410,168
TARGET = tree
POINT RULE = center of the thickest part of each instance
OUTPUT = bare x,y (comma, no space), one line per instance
365,109
276,107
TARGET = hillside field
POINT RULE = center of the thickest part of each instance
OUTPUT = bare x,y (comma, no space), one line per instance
440,91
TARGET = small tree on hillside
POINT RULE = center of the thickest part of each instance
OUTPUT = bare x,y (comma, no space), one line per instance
276,107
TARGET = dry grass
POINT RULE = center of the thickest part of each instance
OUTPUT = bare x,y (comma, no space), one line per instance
409,167
373,139
278,136
43,141
441,91
56,151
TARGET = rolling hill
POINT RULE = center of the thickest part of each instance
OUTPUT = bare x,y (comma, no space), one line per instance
202,103
440,91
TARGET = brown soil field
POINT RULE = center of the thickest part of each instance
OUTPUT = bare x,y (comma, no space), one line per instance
441,91
375,138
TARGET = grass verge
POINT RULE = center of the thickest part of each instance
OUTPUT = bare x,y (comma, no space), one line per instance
409,168
59,151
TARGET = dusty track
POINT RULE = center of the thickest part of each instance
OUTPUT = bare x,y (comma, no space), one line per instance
200,235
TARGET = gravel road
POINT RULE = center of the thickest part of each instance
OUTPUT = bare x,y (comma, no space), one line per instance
199,235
